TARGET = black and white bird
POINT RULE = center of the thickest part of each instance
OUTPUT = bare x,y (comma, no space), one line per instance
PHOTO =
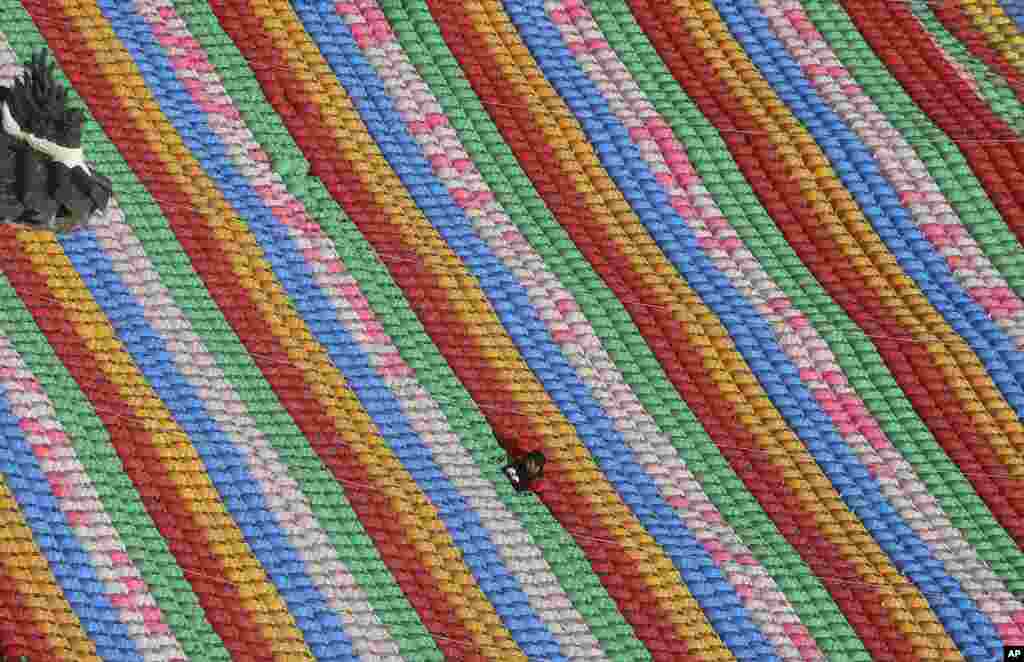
45,182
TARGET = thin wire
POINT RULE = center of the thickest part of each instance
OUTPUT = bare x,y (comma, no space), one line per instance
318,380
277,65
379,492
511,411
417,260
419,257
578,533
425,307
414,258
937,134
137,422
350,484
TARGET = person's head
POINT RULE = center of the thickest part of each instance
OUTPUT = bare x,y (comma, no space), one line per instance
534,465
